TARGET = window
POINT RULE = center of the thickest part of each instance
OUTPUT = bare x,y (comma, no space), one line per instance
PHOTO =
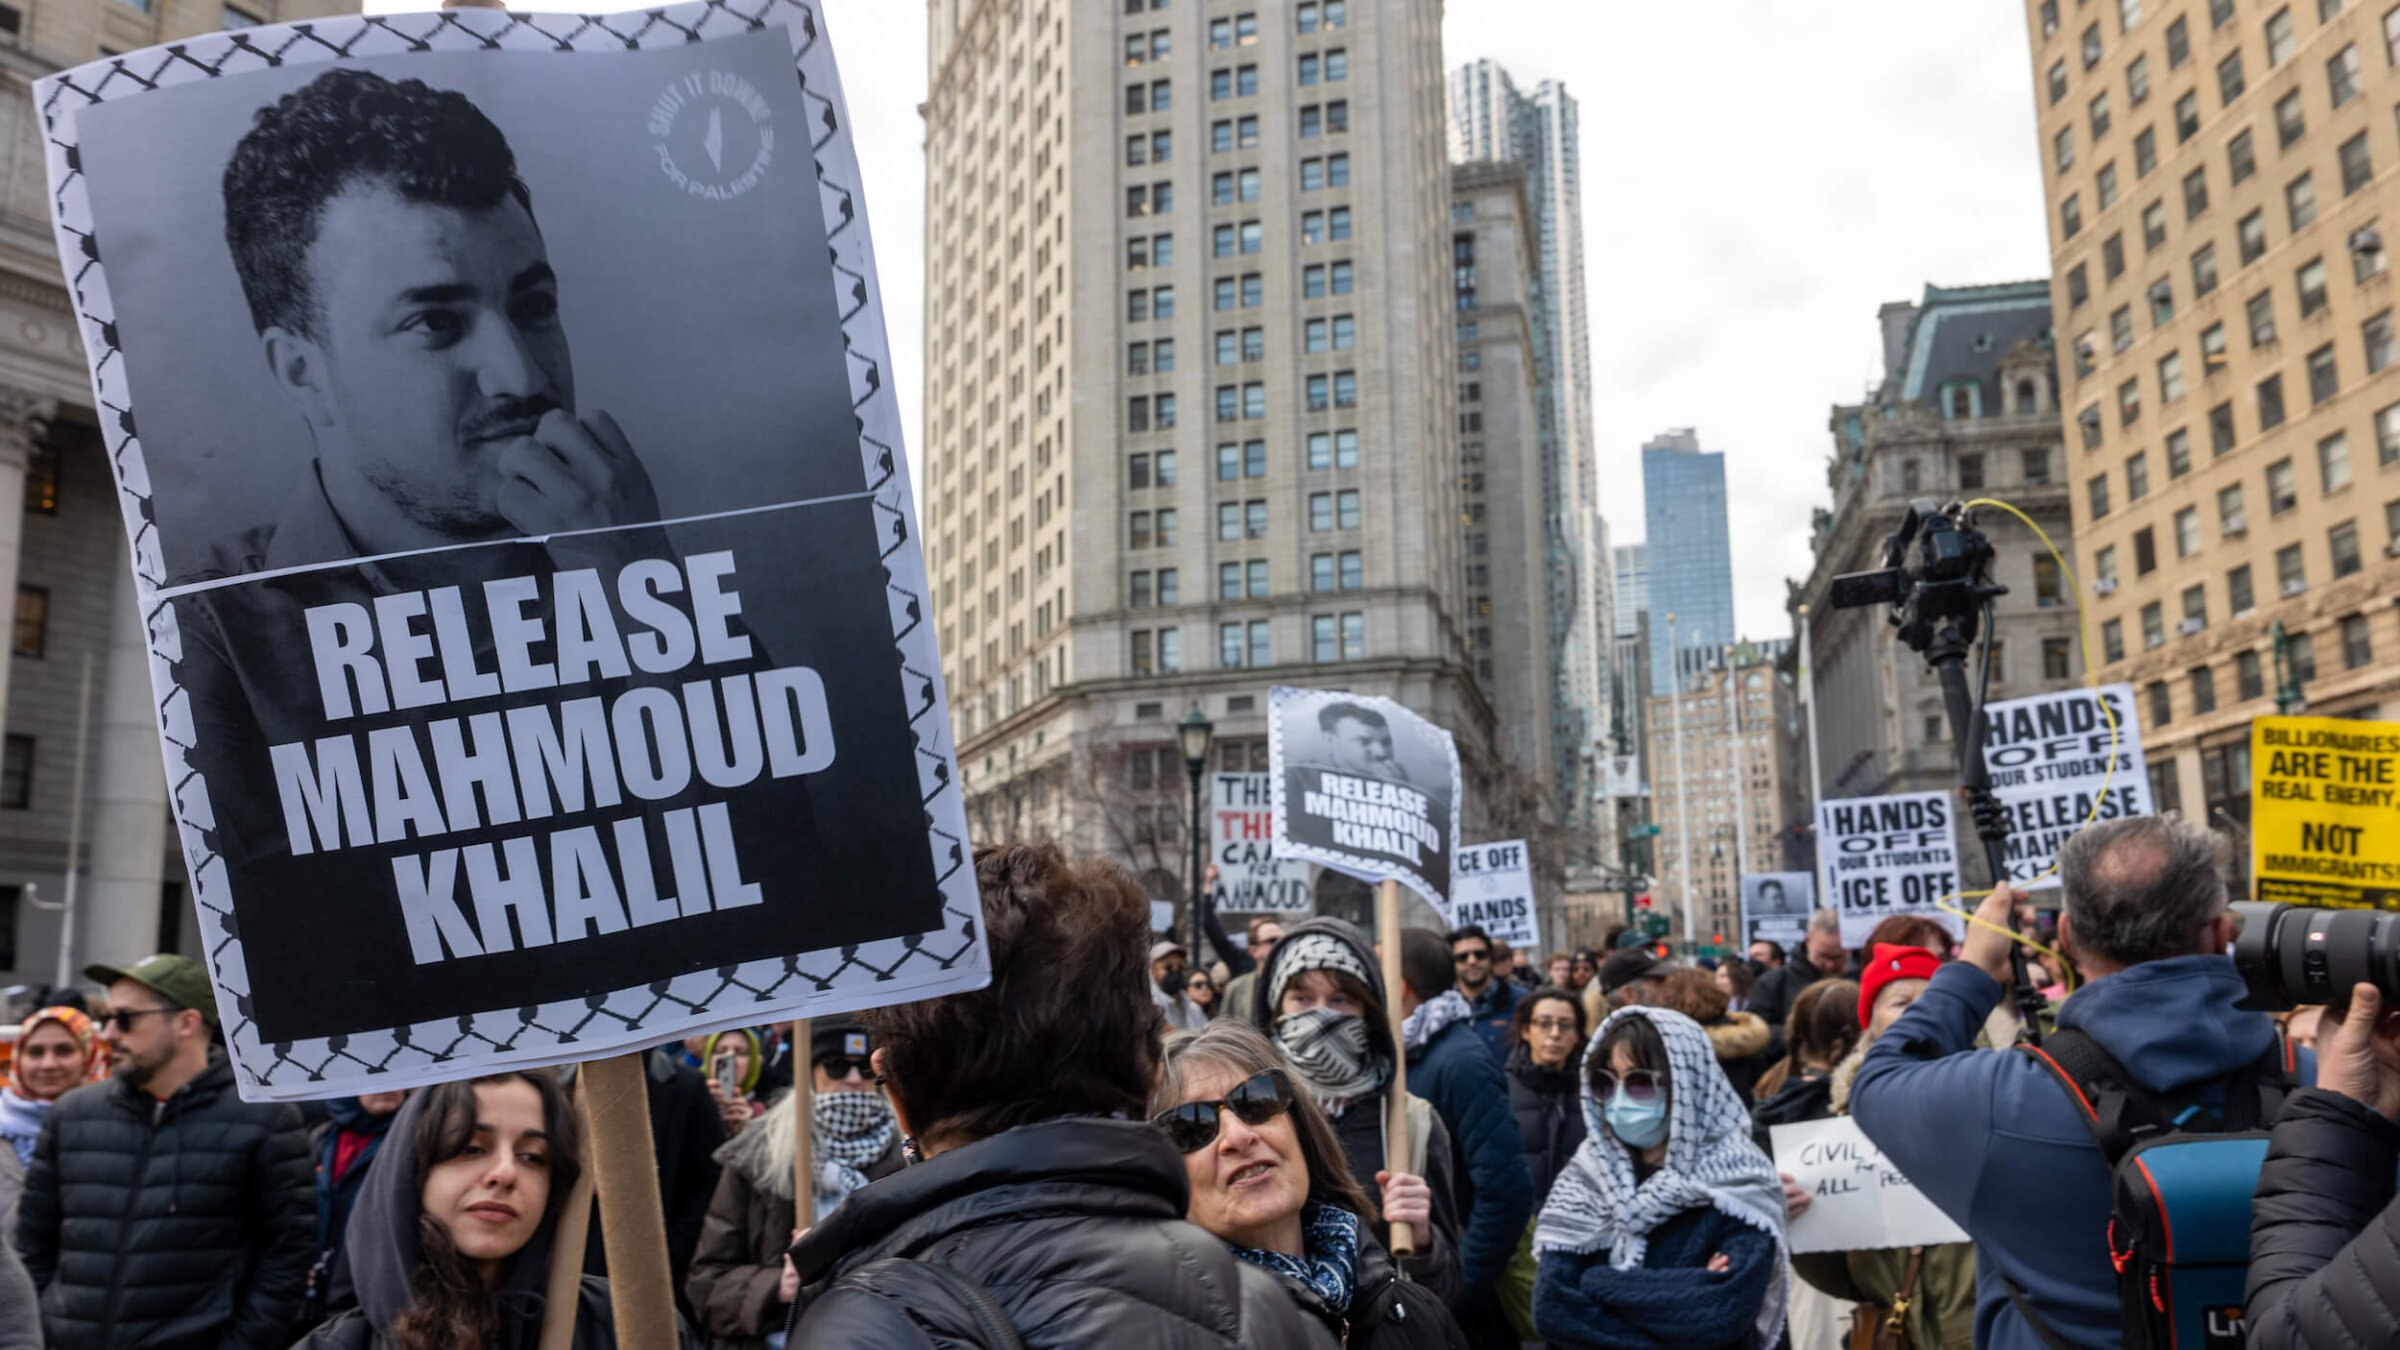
16,773
2195,608
2078,286
33,621
1322,646
1346,509
2058,80
1309,68
2120,328
2162,703
2162,301
2057,659
2358,649
2377,337
1170,649
1320,512
2279,37
2129,13
2195,196
2366,253
2137,476
2129,402
2154,226
2179,43
2100,118
2341,544
2091,46
1353,569
2300,653
2154,626
2358,168
2300,201
1337,170
2137,81
1229,521
1166,467
2204,701
1229,581
2283,487
2237,592
2248,678
1137,413
2048,587
2112,257
1337,223
2251,235
1312,174
2070,216
1970,471
2187,531
2036,464
2145,152
2391,38
2112,641
2088,421
2212,349
2324,381
2310,281
2231,519
2145,552
2291,574
2240,160
2270,403
2341,76
1138,534
2220,429
2179,453
2204,270
2260,311
2387,434
1166,529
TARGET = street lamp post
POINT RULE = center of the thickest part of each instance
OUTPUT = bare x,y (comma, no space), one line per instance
1194,732
1683,784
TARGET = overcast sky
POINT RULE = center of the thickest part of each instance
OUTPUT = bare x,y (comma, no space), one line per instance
1758,176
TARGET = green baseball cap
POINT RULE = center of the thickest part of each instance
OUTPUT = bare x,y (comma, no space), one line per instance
177,979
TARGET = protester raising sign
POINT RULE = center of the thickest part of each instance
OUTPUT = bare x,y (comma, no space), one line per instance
2323,795
1363,786
1858,1201
1882,856
1776,906
518,519
1250,878
2051,767
1492,887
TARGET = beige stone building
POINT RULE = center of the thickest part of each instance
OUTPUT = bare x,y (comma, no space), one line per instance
1742,764
1967,409
76,684
2218,173
1189,406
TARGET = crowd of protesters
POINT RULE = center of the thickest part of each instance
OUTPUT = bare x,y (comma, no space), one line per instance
1110,1146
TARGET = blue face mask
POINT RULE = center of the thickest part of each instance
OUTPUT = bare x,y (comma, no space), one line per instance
1638,1124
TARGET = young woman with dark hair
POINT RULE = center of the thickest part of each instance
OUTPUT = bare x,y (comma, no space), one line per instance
449,1245
1545,1039
1045,1200
1667,1228
1268,1179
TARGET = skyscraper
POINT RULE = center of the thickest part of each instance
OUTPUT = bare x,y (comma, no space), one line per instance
1491,120
1188,429
2216,177
1633,587
1689,550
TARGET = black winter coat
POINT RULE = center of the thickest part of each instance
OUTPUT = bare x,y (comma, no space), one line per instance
1074,1228
1549,1112
188,1222
1388,1311
2325,1228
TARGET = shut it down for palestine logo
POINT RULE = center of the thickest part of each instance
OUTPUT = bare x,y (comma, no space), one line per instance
714,134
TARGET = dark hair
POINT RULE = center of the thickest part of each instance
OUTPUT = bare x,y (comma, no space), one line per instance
1523,1016
1425,965
1230,1045
1472,930
1910,930
451,1308
2140,888
1823,1024
1067,1025
1333,713
1739,972
1257,922
1643,1045
344,127
1694,993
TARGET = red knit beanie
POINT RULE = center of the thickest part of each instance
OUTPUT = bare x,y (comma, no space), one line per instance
1891,962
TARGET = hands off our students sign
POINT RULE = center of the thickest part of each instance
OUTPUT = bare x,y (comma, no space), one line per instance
1882,856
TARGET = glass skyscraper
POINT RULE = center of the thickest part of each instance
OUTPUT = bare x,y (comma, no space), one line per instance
1689,549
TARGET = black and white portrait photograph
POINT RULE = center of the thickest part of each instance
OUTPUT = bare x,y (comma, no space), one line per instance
538,603
1776,905
1364,786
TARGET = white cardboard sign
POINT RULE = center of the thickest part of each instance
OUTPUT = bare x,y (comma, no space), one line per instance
1858,1201
1241,840
1492,885
1882,856
2050,765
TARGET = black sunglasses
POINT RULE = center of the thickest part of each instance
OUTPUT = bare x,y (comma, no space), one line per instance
122,1019
839,1067
1255,1101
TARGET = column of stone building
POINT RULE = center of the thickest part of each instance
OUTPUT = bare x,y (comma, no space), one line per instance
126,833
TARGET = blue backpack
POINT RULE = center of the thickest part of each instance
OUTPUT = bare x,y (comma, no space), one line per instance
2185,1166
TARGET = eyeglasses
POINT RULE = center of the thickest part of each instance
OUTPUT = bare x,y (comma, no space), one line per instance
1255,1101
1553,1026
1478,954
1641,1085
122,1018
839,1067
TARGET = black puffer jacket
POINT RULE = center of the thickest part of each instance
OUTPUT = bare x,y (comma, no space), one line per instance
187,1222
1073,1228
1388,1311
2325,1228
1549,1116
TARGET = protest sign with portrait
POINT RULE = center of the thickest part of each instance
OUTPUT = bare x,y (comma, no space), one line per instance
1776,906
1365,787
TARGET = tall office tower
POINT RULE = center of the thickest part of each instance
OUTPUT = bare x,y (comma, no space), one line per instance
1189,412
78,622
1968,408
1690,554
1500,470
2218,256
1632,563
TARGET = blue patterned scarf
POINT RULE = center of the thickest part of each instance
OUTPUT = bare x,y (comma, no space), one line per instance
1329,1234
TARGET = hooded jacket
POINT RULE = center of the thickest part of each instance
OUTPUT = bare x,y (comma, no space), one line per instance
1495,1193
1074,1228
1971,1129
2325,1228
737,1272
337,1190
1360,1129
381,1253
187,1222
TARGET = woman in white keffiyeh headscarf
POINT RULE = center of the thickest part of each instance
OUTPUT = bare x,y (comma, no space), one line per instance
1667,1227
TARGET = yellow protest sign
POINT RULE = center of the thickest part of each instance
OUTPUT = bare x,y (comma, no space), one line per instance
2325,811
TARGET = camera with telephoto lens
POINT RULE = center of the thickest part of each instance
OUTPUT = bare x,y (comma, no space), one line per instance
2292,956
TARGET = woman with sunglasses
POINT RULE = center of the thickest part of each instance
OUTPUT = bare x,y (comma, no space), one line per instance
1667,1227
1202,991
1267,1177
1041,1205
1545,1037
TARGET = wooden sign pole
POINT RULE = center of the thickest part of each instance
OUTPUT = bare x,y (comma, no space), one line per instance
564,1295
625,1167
1396,1149
804,1134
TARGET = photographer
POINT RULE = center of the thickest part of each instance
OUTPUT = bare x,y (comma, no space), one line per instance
2146,919
2325,1227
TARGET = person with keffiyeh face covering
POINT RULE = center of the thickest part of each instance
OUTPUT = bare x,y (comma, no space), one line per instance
1666,1230
738,1285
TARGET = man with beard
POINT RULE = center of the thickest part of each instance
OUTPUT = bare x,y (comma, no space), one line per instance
161,1208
